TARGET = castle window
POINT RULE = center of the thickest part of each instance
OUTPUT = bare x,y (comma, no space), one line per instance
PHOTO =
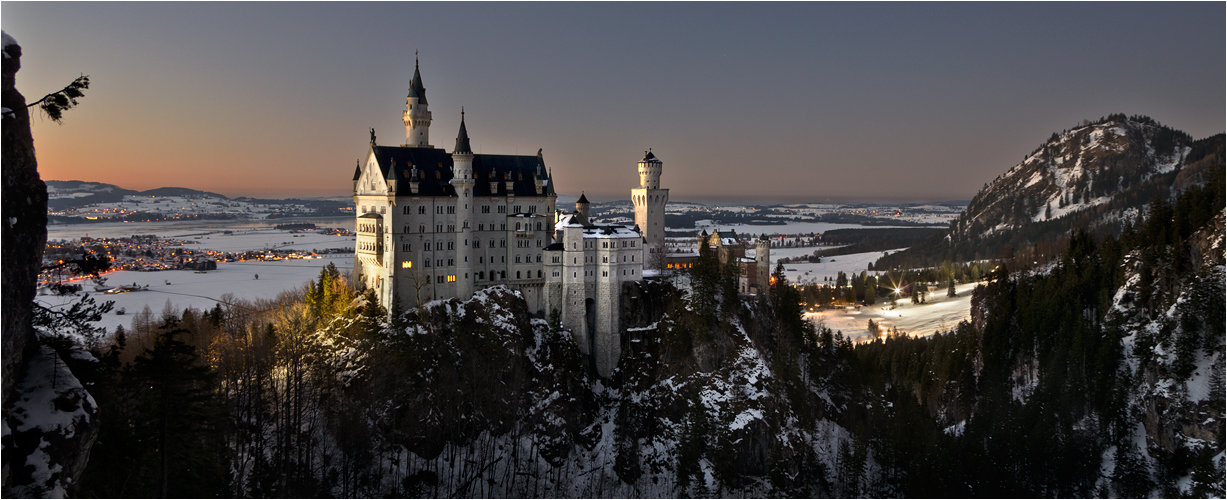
604,274
406,228
502,275
406,264
485,209
502,227
538,273
517,274
439,263
422,228
451,228
406,247
502,243
481,227
427,263
517,258
438,228
405,210
451,278
451,262
538,243
439,210
438,174
605,260
517,209
451,245
538,226
421,209
451,210
466,224
502,209
383,210
538,259
491,243
476,243
517,226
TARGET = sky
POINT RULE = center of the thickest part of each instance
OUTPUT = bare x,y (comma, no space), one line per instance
749,102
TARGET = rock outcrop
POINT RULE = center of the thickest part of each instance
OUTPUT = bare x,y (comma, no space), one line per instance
50,420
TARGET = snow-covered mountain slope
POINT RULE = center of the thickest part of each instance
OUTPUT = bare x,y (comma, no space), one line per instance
1103,171
1097,177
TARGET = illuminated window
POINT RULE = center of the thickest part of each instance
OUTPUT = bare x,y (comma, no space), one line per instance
406,264
451,278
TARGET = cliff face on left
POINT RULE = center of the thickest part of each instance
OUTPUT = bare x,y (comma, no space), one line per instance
50,421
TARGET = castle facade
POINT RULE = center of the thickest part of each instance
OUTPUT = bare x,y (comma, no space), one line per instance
435,225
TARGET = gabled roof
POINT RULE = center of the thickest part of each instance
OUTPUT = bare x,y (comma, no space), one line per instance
433,167
648,157
582,199
416,89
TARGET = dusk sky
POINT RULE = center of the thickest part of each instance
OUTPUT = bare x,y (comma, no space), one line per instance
742,101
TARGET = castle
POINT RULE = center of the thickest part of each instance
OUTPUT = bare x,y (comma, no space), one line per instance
435,225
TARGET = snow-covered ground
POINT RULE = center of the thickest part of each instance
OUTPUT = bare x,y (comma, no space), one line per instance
940,313
202,291
825,272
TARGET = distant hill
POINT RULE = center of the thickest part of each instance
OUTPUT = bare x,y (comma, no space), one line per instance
178,191
1097,176
81,201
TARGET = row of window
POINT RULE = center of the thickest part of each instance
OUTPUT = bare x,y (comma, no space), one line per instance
451,228
519,259
608,244
604,274
449,209
588,259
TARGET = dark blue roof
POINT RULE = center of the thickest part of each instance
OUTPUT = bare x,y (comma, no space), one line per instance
434,167
416,89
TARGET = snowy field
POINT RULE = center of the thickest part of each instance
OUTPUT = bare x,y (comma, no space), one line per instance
825,272
920,320
202,291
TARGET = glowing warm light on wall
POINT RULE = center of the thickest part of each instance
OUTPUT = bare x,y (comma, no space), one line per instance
406,264
451,278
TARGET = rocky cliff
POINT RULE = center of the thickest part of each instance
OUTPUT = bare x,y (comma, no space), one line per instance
50,421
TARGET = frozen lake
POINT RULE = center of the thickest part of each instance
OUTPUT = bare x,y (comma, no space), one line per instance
202,291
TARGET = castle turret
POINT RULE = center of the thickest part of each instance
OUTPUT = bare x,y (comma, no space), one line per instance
762,265
582,206
650,202
462,181
417,113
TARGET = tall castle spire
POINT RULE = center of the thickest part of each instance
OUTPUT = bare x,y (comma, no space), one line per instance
462,138
417,113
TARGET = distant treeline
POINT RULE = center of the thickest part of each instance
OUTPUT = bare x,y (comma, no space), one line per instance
873,240
298,226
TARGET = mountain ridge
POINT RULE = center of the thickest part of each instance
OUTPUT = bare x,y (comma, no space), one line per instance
1099,176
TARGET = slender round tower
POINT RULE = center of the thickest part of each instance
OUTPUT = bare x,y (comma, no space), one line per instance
462,181
417,113
649,201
